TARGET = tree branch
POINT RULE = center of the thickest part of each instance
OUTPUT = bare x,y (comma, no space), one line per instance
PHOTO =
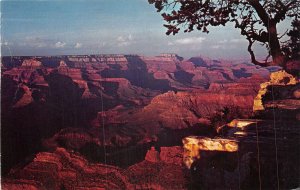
253,59
261,12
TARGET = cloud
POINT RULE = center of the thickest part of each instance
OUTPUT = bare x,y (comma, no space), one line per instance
223,41
216,47
59,44
170,43
224,46
78,45
227,44
41,43
234,40
35,42
125,40
238,40
189,41
5,43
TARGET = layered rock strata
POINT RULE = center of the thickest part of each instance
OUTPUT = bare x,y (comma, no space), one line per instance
266,151
64,169
280,78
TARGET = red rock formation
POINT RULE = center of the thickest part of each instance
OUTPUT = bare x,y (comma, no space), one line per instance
266,152
25,99
160,170
171,155
72,138
62,169
280,78
68,170
31,63
152,155
74,101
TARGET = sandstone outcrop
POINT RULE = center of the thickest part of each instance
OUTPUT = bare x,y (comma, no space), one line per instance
62,63
280,78
193,146
265,152
31,63
163,171
152,155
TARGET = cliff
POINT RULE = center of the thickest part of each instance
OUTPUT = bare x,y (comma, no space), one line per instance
194,145
31,63
62,169
68,170
280,78
253,153
56,106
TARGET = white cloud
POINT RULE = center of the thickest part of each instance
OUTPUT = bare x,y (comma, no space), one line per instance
130,37
78,45
234,40
223,41
125,40
39,42
170,43
60,44
223,46
189,41
35,42
4,43
238,40
102,44
226,44
216,47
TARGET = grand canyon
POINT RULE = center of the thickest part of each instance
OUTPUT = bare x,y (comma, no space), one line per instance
141,122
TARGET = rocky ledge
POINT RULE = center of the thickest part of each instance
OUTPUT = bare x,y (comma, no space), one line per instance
63,169
258,153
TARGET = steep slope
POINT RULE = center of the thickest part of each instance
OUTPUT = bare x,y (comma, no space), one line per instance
46,101
258,153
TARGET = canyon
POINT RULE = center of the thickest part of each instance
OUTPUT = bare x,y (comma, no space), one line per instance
137,122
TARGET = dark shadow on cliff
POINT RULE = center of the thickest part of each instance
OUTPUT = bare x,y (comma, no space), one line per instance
137,74
134,153
254,165
58,106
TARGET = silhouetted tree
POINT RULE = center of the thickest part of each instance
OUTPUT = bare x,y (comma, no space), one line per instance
291,47
256,19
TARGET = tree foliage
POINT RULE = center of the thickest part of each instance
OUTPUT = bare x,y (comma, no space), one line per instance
291,47
256,19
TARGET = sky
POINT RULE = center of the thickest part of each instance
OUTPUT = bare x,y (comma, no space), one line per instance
71,27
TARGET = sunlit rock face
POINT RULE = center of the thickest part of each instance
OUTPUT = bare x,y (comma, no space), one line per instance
279,78
31,63
193,145
240,123
62,63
